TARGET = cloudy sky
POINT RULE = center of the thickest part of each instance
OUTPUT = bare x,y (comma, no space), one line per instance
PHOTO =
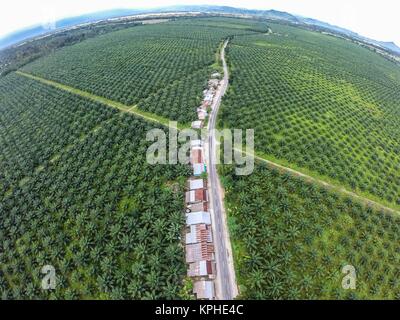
379,20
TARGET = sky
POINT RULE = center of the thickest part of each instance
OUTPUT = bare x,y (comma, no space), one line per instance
379,20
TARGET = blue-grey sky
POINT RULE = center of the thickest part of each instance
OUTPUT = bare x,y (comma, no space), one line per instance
379,20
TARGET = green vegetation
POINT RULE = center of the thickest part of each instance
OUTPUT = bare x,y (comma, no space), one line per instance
76,190
107,221
292,238
105,101
234,26
161,68
77,193
37,122
15,57
319,103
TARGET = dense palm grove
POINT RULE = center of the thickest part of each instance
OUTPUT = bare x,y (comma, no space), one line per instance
319,103
77,193
292,238
107,221
76,190
161,68
35,125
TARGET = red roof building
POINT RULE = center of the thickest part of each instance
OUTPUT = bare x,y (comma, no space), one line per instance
195,196
202,269
197,207
199,233
199,251
196,155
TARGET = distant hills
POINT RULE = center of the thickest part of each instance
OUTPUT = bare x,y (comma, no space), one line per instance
391,46
38,30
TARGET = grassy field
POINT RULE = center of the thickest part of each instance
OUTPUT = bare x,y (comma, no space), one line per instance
291,239
319,103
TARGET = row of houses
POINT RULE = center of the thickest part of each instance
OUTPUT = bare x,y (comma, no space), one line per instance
200,254
197,158
208,97
199,240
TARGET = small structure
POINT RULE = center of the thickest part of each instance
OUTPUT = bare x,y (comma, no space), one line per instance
199,169
197,124
196,155
201,114
209,97
213,83
205,105
197,184
201,217
199,251
199,233
196,207
216,75
204,290
202,269
196,143
195,196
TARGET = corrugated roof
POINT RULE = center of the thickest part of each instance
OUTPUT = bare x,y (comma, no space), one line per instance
201,268
196,184
198,218
196,155
199,233
204,289
197,195
199,251
199,206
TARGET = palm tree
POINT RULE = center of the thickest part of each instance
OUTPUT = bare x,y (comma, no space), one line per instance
134,289
256,280
294,293
276,289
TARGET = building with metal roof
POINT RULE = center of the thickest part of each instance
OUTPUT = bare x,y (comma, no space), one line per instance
204,290
200,217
